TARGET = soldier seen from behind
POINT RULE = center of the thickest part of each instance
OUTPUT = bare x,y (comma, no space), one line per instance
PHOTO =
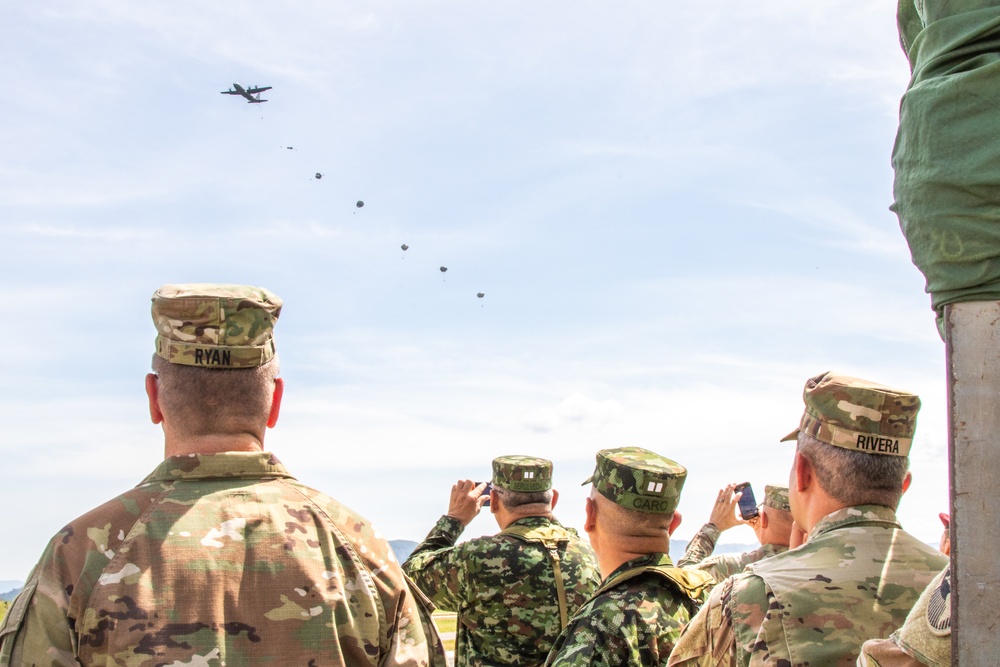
638,612
515,590
859,573
773,527
219,556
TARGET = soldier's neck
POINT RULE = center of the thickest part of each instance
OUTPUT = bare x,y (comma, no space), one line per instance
212,444
506,517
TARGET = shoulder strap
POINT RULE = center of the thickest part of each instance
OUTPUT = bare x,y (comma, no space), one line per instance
553,538
694,584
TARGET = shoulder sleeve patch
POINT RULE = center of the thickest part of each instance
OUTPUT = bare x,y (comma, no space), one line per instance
939,607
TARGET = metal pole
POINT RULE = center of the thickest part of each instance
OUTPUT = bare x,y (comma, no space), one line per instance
972,338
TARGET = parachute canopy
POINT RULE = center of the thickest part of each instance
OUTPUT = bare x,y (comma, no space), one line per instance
443,269
480,294
318,175
405,247
360,204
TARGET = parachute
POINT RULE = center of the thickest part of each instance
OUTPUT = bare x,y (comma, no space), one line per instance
360,204
443,269
318,175
480,294
405,247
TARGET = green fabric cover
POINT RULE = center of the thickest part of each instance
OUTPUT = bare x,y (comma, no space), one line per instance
947,152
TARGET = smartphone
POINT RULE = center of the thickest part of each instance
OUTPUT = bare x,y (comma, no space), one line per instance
748,504
486,492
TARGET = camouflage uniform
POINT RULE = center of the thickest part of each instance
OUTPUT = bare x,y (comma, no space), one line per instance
218,559
505,588
640,609
924,639
698,554
857,576
634,619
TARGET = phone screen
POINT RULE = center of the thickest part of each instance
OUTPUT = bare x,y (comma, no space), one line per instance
748,504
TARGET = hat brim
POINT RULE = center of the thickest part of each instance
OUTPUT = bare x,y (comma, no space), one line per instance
794,435
589,480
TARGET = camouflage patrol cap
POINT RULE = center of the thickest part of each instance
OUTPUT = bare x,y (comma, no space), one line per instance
777,497
638,479
858,415
522,473
215,326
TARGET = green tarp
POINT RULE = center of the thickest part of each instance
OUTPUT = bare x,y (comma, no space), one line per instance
947,153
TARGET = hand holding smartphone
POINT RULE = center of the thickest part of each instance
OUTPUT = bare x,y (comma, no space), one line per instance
748,504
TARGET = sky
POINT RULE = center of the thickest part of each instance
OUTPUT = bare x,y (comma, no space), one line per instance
677,213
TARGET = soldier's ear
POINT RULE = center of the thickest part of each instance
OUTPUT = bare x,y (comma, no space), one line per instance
907,480
590,521
279,391
555,499
803,475
153,393
675,522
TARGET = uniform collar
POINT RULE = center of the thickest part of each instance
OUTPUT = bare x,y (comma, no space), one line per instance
851,516
647,560
535,521
226,464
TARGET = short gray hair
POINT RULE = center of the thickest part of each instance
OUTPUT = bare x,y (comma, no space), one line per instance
512,499
203,401
853,477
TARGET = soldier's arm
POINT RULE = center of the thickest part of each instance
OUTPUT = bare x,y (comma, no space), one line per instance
437,567
701,546
708,639
414,639
36,629
885,653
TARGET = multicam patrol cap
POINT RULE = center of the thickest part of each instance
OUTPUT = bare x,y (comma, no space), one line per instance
522,473
858,415
639,479
215,326
777,497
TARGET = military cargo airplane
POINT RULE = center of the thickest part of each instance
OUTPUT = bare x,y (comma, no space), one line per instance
248,93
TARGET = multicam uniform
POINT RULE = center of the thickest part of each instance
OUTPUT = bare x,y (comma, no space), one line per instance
635,617
221,559
698,555
925,638
856,578
504,587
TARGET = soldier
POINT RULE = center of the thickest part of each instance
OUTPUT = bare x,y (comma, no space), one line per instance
773,526
513,591
219,556
859,573
644,601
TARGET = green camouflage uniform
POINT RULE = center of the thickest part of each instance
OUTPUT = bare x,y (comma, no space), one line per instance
634,619
857,576
640,609
504,587
514,591
698,554
221,559
925,638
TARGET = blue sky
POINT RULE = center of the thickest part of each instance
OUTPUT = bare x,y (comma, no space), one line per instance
677,213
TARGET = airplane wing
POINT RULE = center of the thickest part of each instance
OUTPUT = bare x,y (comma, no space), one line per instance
230,92
258,89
